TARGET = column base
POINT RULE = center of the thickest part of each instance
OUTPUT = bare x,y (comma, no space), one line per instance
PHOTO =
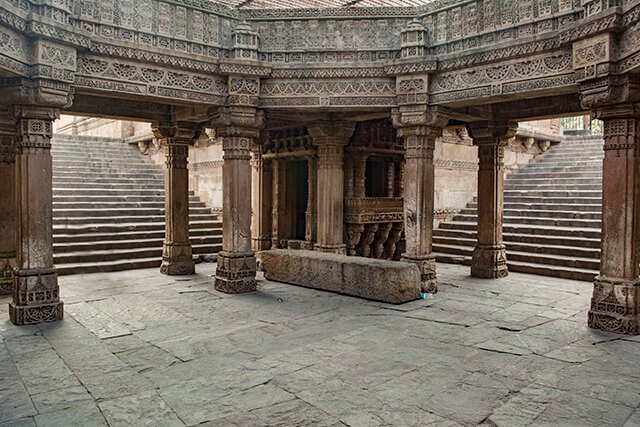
427,267
6,275
36,298
261,244
334,249
614,306
489,262
236,272
177,260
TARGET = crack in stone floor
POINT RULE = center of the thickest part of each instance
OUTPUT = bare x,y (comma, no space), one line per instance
140,348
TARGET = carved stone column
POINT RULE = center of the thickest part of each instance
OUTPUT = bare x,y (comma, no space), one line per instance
261,189
418,186
360,171
615,305
489,256
310,214
236,269
391,179
330,138
8,139
177,258
36,296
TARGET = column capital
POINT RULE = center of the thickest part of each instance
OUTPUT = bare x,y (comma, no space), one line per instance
418,118
331,132
610,91
34,125
176,132
492,132
236,121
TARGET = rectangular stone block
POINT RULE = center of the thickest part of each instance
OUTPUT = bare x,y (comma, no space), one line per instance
381,280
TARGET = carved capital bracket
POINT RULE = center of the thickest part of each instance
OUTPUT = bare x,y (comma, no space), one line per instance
419,126
35,126
40,92
176,132
610,91
331,133
236,121
492,132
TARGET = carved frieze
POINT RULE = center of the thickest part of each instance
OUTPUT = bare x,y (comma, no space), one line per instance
98,72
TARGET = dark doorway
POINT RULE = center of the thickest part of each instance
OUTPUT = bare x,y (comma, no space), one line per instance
297,194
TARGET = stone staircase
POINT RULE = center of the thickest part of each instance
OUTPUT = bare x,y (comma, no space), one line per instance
552,215
108,208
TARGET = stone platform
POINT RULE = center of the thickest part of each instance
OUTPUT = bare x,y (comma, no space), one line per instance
139,348
374,279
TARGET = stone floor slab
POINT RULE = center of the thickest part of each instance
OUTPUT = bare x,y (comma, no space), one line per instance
514,351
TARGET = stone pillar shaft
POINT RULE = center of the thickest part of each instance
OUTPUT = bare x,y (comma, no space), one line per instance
8,139
489,256
360,170
310,214
177,256
615,304
36,296
419,180
236,270
330,138
261,201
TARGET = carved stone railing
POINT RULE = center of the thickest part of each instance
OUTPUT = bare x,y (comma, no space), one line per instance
374,226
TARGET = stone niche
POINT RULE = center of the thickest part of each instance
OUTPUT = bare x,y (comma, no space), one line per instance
393,282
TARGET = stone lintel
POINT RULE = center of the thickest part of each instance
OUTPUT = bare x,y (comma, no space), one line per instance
380,280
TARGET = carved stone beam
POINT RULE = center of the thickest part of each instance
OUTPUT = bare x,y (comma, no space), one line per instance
238,127
176,137
489,256
330,138
615,304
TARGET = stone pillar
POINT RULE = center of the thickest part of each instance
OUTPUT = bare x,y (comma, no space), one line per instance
360,171
261,188
391,179
330,138
177,257
615,304
8,139
277,201
36,296
310,214
489,256
418,192
236,271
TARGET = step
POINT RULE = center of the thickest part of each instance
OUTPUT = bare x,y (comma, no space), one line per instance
556,186
142,182
550,230
105,192
118,254
104,245
96,212
531,220
150,174
553,175
157,233
111,206
527,267
532,213
92,186
553,194
552,169
116,199
555,260
107,266
539,239
511,206
85,228
108,220
562,250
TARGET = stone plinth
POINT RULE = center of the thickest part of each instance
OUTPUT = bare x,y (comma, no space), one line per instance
380,280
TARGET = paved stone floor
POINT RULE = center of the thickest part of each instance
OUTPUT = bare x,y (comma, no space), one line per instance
139,348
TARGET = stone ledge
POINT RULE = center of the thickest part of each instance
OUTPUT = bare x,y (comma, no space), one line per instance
388,281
